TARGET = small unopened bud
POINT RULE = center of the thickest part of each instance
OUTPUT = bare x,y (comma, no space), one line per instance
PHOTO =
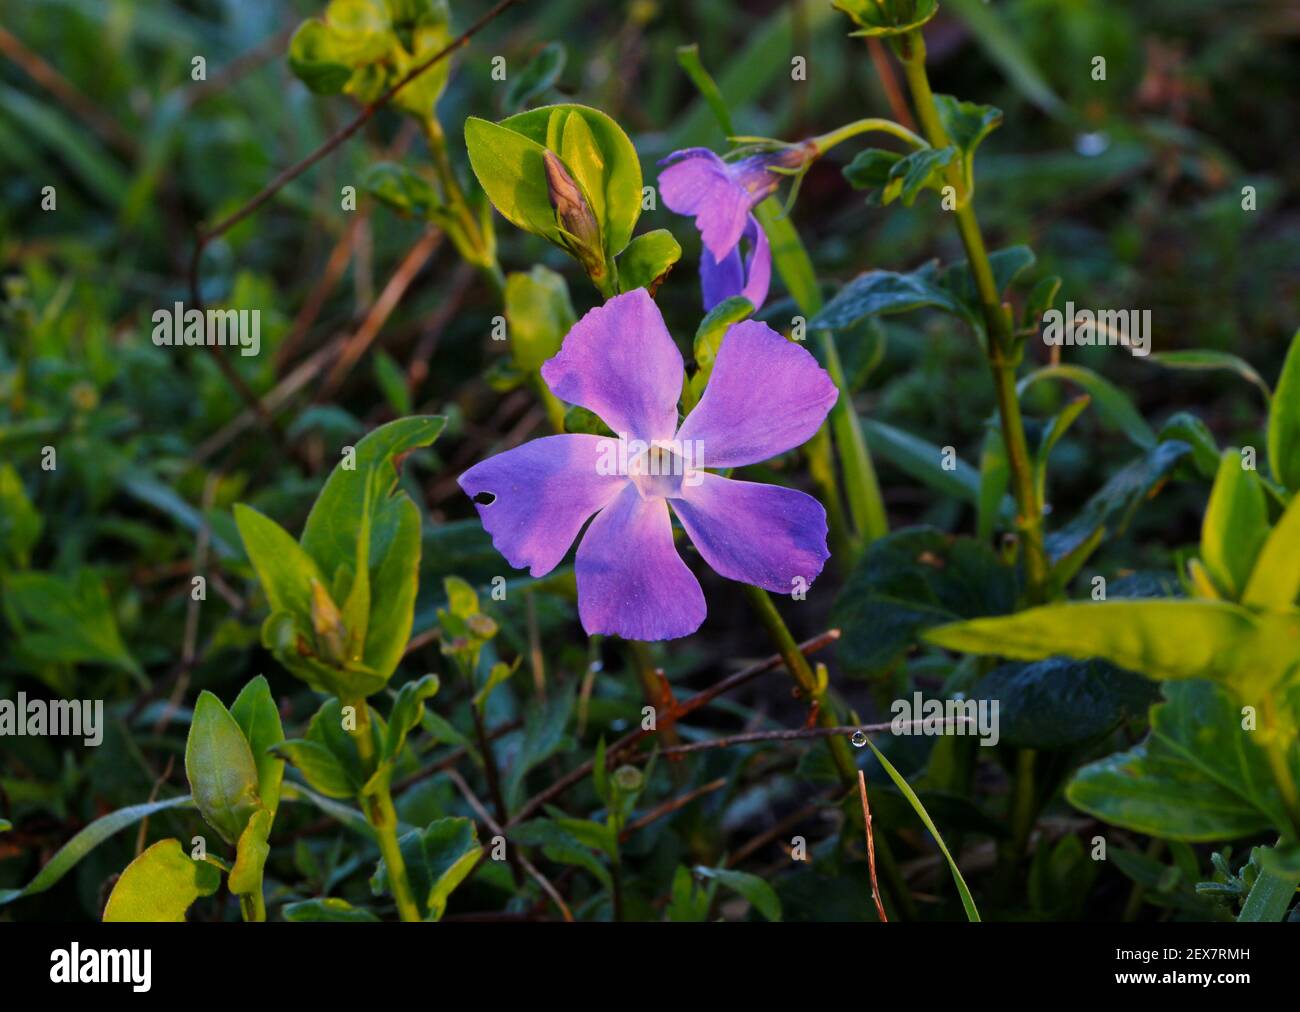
327,623
574,214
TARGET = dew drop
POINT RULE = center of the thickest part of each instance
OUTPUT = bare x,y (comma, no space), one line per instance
859,738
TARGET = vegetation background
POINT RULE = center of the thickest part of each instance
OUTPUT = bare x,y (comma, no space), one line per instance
1129,189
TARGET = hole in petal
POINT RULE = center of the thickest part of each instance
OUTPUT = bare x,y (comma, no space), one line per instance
485,498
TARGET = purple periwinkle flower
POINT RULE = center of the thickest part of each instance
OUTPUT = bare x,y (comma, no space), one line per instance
766,395
732,276
721,194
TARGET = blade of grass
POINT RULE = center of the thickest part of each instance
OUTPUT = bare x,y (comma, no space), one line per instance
967,901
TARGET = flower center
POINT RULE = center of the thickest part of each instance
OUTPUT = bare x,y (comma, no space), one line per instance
658,472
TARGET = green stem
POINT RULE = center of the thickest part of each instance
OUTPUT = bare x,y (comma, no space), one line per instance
826,141
801,670
382,816
252,906
1003,350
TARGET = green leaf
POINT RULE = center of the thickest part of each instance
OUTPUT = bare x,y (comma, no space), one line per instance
319,766
510,168
879,20
392,382
327,909
1209,360
283,569
688,58
1006,264
408,711
259,719
1197,777
537,77
967,124
561,846
1271,895
1284,422
708,340
251,854
918,171
1112,507
160,885
220,768
1185,426
995,478
923,461
73,618
393,556
1060,703
20,523
908,581
544,723
1234,527
438,859
647,260
967,901
402,189
880,292
1162,639
1113,404
1275,580
451,852
539,314
71,853
600,156
762,897
871,168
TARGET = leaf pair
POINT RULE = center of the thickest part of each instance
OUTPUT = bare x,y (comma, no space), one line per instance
569,174
235,782
343,600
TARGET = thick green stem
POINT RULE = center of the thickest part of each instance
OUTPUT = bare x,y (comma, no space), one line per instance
252,906
803,675
382,816
1003,352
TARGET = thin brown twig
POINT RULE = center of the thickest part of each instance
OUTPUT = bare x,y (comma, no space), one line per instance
697,701
334,268
411,264
889,82
492,824
672,805
871,847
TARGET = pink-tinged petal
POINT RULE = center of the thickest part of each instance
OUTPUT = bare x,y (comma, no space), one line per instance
544,491
766,535
631,581
766,395
620,362
697,182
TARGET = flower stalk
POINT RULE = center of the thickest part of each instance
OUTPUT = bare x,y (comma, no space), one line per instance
1004,350
377,804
